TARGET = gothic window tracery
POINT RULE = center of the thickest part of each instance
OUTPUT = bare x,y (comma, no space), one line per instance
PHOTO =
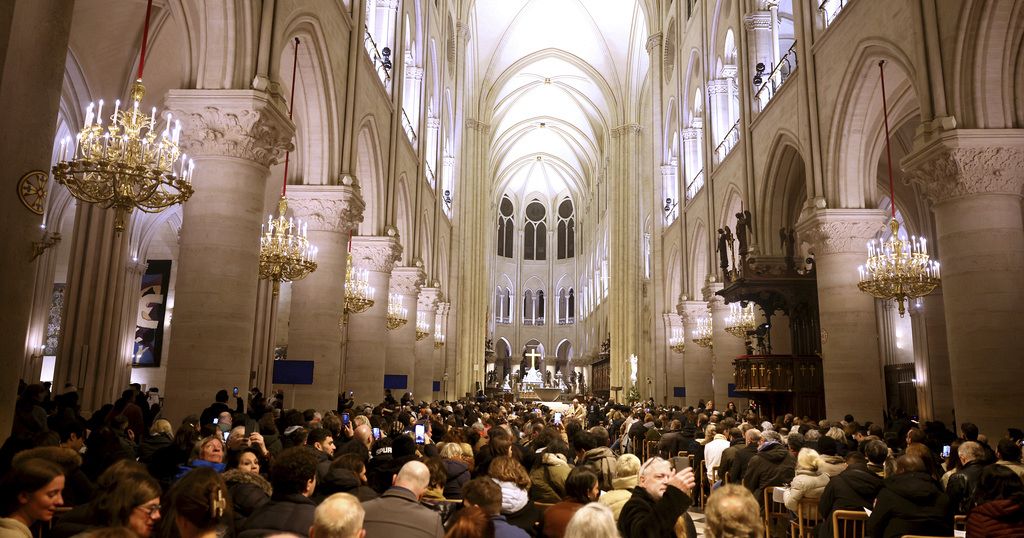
535,232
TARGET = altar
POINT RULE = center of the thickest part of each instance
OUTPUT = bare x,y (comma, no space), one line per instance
533,386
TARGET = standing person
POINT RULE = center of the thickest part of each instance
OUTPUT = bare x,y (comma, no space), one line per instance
660,498
29,492
398,511
290,510
200,504
626,469
133,502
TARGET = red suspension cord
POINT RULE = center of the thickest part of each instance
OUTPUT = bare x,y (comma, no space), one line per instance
291,107
145,39
888,153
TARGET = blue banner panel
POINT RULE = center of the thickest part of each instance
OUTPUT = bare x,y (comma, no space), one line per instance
437,386
732,391
392,381
293,372
678,392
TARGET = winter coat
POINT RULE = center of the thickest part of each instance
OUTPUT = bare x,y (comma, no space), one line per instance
617,498
503,529
806,484
853,489
961,486
671,443
911,503
1014,466
557,517
603,459
12,528
772,466
996,519
548,478
151,444
248,491
740,460
398,513
831,465
339,480
458,475
288,513
525,518
643,517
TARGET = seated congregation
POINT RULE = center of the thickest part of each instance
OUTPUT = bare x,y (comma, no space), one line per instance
481,467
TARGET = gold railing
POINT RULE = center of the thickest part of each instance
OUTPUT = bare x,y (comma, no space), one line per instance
770,85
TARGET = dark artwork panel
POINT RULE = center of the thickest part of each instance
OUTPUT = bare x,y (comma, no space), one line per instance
149,327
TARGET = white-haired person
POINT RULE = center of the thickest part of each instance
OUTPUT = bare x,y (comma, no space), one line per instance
593,520
627,469
339,516
661,496
808,482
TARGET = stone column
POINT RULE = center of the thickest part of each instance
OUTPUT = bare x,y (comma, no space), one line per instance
100,309
696,360
42,300
234,136
725,348
318,301
441,355
674,373
718,99
366,349
426,311
401,358
849,341
625,262
30,85
264,341
760,32
974,181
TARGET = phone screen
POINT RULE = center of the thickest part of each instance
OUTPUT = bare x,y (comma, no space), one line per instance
558,418
344,418
945,451
421,434
376,433
235,391
216,420
226,434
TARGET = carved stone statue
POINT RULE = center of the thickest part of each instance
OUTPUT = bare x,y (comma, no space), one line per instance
547,378
743,226
723,251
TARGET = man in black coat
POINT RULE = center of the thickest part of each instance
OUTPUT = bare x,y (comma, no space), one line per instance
962,484
660,497
853,489
672,442
290,510
772,466
743,455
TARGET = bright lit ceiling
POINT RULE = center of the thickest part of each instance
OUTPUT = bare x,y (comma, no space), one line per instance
554,76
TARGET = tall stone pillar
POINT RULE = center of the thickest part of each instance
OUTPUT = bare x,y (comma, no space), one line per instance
366,348
426,314
718,96
318,301
674,374
264,340
30,85
849,341
625,261
725,348
442,366
759,31
234,136
401,358
931,359
974,180
42,301
696,360
100,309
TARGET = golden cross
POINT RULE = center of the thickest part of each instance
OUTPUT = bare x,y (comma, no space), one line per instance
533,358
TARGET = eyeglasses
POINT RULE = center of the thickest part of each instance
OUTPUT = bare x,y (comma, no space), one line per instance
149,509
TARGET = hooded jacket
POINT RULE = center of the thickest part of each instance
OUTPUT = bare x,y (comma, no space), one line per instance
911,503
547,478
617,498
603,459
853,489
248,491
772,466
806,484
997,519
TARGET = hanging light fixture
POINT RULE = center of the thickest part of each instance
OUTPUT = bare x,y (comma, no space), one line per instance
358,292
285,252
896,268
438,337
677,340
398,315
741,320
422,329
701,334
129,163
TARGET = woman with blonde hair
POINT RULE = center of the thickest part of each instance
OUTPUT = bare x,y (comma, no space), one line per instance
516,505
809,482
627,470
593,520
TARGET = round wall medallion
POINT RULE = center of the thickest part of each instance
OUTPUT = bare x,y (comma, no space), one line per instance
32,190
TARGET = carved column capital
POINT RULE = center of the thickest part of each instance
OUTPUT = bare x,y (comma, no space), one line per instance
413,72
967,162
407,280
668,170
626,129
475,125
718,86
247,124
653,41
433,123
329,208
838,231
692,133
691,311
376,253
758,20
428,299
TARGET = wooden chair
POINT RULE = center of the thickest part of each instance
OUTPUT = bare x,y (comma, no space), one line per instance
775,513
807,518
543,507
960,523
705,486
849,524
651,449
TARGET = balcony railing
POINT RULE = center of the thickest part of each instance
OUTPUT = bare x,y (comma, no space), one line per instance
728,142
430,175
503,321
410,131
534,322
780,74
830,9
695,185
568,321
381,59
671,210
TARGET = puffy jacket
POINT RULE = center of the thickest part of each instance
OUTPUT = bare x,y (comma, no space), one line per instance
547,479
248,491
805,484
911,503
458,475
772,466
617,498
996,519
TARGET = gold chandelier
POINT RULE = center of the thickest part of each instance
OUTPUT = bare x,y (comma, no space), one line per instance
741,320
358,292
677,341
896,268
422,329
398,315
701,334
285,252
438,338
127,164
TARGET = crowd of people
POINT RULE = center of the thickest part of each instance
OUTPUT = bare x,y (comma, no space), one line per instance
246,466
